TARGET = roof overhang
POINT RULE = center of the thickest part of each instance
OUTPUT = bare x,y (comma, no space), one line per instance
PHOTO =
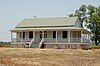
49,28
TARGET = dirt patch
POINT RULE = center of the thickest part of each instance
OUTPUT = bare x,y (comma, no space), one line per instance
48,57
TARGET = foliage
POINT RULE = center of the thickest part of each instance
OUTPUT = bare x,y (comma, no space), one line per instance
91,16
95,47
5,44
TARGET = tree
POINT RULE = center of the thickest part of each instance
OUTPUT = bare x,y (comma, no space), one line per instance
91,15
91,10
80,13
94,22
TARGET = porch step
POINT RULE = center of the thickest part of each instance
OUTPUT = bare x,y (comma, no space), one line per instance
35,45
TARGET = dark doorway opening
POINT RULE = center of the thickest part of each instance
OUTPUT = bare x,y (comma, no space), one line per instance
54,34
64,34
23,35
31,34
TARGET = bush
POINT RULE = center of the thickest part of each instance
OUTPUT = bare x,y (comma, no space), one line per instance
1,45
95,47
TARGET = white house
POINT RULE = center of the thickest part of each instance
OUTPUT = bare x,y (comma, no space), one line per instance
58,32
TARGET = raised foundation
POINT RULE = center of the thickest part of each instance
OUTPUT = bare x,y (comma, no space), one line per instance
17,45
63,46
56,46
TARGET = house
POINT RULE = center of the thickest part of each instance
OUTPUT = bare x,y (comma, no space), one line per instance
58,32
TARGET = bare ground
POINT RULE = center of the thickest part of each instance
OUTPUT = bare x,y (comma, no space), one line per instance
48,57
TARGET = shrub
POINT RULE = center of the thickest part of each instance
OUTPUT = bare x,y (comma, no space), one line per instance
95,47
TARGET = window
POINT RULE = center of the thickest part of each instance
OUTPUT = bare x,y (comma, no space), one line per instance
54,34
23,35
64,34
45,34
31,34
40,34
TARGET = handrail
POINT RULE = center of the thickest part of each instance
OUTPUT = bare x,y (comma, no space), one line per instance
31,42
41,42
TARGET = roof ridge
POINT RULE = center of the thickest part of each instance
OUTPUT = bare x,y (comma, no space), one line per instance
50,17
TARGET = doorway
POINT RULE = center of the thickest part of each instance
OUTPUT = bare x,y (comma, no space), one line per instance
30,34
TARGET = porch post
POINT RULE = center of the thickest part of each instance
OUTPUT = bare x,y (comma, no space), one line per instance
11,36
43,35
81,36
88,36
56,36
34,35
69,36
21,36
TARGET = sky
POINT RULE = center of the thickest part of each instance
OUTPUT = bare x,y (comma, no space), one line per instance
13,12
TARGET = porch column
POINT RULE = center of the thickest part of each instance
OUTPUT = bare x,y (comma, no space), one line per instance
88,36
81,36
21,36
56,36
69,39
69,36
34,35
43,35
11,36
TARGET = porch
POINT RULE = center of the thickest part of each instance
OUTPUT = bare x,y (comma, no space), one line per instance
48,37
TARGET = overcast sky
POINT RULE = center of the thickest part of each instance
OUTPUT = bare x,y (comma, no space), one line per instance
14,11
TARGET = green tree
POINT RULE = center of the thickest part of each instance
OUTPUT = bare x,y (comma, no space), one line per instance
96,28
91,15
94,22
80,13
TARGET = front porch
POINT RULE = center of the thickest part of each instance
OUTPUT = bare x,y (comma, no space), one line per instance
50,37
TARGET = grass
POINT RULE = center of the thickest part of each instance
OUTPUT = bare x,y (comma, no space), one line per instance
48,57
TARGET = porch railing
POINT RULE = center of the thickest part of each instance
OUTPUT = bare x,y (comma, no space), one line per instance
75,40
20,40
65,40
54,40
60,40
86,40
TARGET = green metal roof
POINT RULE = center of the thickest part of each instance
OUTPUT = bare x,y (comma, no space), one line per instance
47,22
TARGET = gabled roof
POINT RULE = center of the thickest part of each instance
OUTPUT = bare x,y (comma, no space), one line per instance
47,22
